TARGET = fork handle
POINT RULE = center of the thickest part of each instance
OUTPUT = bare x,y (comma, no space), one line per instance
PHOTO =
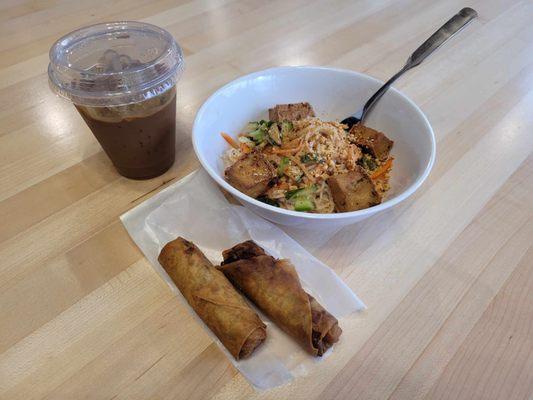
446,31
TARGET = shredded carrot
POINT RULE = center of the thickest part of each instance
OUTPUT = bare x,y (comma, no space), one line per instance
387,165
285,151
292,143
230,140
245,149
288,151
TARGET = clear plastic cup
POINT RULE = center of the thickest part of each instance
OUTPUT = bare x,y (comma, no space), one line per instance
122,76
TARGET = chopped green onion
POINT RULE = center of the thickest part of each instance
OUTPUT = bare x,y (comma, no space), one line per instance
257,136
258,131
274,134
303,204
265,123
292,193
305,191
302,198
252,126
309,157
283,164
286,127
367,162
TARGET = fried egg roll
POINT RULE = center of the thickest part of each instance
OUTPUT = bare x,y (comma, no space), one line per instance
213,298
274,287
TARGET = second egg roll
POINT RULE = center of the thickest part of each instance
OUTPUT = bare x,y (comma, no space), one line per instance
275,288
213,298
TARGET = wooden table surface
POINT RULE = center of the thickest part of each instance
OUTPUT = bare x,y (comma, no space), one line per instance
447,275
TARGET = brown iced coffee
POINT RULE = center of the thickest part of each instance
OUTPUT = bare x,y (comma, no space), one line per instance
121,77
138,138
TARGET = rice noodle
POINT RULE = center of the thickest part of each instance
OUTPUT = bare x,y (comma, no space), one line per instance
316,150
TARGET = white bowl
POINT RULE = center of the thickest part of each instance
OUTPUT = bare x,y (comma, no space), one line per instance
334,94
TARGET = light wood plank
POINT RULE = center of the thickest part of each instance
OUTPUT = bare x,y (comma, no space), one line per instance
446,274
496,359
48,356
379,366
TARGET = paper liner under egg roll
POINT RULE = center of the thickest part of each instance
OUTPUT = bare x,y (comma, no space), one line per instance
274,287
213,298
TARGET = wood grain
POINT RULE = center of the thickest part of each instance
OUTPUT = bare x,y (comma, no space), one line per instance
447,275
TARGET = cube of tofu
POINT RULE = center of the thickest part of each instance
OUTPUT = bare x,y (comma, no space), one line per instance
251,174
290,112
353,191
372,141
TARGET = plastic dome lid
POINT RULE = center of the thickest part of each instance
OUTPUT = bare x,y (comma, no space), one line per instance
114,63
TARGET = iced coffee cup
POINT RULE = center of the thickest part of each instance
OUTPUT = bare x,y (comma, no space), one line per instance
122,77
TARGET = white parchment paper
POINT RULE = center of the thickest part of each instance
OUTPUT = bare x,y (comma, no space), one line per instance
195,209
